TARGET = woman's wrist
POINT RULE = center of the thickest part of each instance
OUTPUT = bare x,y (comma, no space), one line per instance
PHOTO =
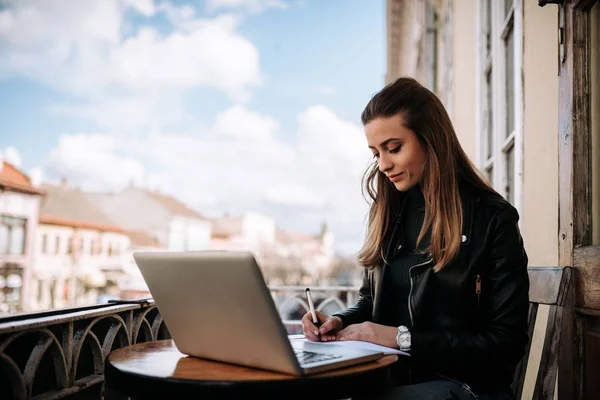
394,337
339,323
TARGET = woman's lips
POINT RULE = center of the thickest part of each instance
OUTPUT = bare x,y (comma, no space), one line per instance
396,178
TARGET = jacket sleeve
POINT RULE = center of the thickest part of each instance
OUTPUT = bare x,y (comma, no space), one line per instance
499,341
363,309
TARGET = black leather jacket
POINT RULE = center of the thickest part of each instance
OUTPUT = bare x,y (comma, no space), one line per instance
470,319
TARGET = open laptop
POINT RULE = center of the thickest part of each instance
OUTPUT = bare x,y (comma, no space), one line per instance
217,306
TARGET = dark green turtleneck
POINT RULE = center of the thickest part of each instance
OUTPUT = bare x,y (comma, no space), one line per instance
411,223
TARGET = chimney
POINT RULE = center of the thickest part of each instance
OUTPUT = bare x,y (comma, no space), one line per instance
35,175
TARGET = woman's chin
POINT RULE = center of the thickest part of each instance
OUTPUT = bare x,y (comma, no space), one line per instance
403,186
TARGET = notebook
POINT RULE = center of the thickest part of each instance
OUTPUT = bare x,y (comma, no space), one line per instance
356,344
216,305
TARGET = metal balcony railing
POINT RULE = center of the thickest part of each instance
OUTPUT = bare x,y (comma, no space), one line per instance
60,353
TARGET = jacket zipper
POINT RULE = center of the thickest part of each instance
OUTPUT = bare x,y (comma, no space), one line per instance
478,290
412,322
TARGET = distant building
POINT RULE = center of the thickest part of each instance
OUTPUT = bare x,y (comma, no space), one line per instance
133,286
19,207
171,223
316,253
80,253
250,231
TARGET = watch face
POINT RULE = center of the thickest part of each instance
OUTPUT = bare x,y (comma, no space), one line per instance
405,339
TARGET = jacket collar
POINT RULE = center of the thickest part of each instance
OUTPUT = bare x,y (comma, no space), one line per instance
468,200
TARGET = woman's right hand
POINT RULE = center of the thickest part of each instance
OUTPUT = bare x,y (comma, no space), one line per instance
329,326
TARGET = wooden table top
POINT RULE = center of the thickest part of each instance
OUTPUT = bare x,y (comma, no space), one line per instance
149,368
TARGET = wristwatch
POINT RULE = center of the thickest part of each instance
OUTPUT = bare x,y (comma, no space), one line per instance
403,338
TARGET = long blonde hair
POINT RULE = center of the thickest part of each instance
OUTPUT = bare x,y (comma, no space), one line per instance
447,165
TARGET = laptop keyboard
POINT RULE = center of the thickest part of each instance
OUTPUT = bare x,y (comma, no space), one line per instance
305,357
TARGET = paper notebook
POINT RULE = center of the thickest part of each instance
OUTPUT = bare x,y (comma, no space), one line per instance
357,344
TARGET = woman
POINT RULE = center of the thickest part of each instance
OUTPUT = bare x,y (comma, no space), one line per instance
445,271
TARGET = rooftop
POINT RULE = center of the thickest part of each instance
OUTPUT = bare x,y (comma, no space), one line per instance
69,207
14,179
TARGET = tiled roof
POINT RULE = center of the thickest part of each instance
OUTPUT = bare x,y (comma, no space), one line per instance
11,177
287,237
69,207
226,227
174,206
139,238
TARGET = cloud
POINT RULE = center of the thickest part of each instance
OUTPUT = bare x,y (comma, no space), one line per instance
292,194
252,6
240,163
144,7
11,155
79,47
210,56
126,112
240,123
36,175
92,162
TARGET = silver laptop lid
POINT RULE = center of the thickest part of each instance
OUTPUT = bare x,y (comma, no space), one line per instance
216,305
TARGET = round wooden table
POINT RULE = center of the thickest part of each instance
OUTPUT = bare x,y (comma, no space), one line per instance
158,370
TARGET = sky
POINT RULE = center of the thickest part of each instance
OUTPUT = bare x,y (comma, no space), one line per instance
228,105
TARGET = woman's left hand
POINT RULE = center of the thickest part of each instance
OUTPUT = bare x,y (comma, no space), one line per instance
370,332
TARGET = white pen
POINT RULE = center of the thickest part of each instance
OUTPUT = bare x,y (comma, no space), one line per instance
311,305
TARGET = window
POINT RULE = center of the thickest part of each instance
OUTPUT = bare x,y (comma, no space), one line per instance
44,243
12,235
40,290
432,48
500,98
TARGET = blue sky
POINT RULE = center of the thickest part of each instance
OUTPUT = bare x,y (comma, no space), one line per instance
230,105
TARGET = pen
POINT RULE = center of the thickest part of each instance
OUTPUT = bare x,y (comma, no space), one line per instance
311,305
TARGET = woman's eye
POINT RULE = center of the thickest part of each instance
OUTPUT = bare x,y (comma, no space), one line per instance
376,155
395,150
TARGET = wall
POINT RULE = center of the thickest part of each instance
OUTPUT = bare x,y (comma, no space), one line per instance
189,234
258,228
540,147
52,269
464,90
23,206
540,155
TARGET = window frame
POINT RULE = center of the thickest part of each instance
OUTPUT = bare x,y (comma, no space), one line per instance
502,23
10,221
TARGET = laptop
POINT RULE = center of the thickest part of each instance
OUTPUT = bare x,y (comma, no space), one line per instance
217,306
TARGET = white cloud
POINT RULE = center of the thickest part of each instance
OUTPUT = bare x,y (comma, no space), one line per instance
302,184
79,47
11,155
92,162
321,130
144,7
252,6
240,123
292,194
210,56
126,112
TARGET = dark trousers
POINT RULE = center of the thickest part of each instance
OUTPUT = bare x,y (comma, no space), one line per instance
440,390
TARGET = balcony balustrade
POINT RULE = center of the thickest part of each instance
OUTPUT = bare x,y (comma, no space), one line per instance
60,353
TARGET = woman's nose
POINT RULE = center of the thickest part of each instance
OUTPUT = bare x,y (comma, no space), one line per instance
384,163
